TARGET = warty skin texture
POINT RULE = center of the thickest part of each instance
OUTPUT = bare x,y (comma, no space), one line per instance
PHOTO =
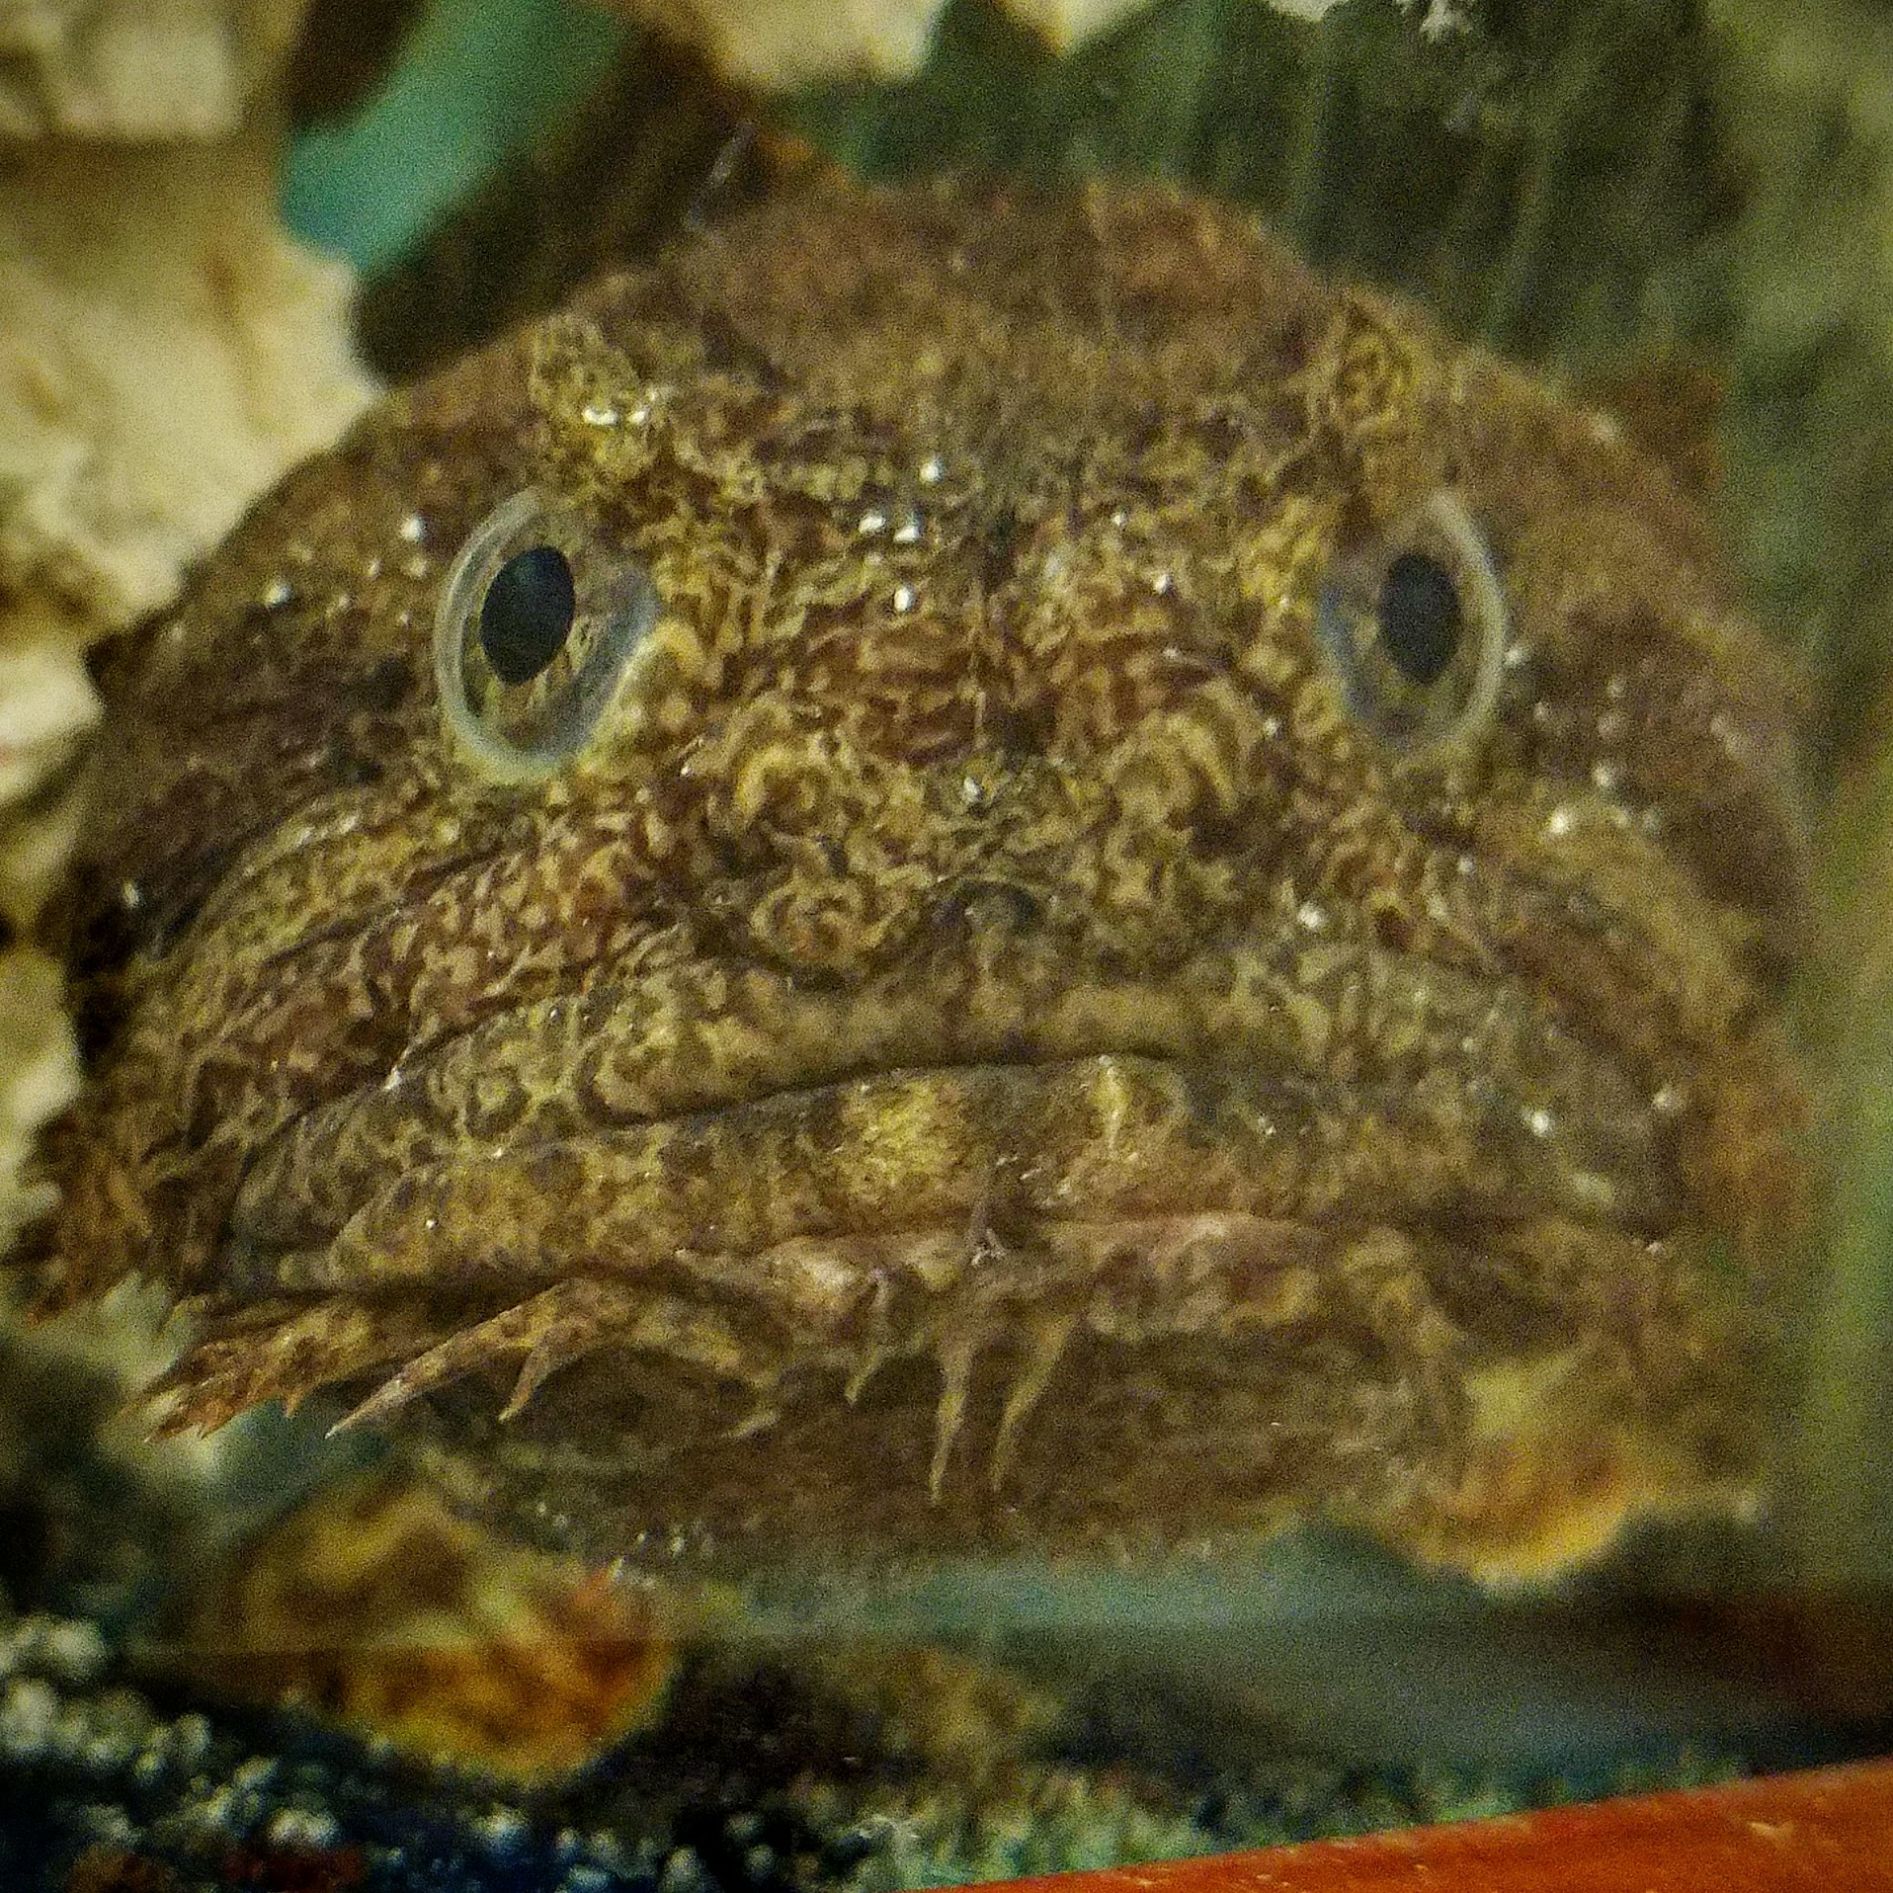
985,1047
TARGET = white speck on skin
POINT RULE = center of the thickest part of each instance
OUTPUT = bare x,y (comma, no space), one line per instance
1312,915
1598,1192
903,598
598,416
932,470
1560,822
279,594
413,529
871,522
1538,1121
908,531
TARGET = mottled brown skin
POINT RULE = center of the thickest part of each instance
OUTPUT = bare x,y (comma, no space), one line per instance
985,1048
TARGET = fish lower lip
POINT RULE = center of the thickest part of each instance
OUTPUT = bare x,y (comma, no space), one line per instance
1503,1395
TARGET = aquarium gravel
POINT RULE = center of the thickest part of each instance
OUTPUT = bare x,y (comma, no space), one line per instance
756,1778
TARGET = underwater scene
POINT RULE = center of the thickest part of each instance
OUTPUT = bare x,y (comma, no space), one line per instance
943,941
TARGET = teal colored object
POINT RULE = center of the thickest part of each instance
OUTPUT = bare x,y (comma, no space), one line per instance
480,80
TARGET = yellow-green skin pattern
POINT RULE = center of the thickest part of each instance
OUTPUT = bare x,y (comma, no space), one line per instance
984,1048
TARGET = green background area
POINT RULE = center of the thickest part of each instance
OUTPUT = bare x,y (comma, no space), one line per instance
479,81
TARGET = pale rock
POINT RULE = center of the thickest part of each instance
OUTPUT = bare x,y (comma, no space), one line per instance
46,703
138,69
1063,24
166,351
773,45
776,44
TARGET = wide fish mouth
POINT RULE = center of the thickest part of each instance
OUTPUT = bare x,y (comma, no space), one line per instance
719,1108
955,1260
1113,1302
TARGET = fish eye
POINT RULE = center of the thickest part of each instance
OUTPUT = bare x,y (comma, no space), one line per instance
537,625
1419,616
1414,626
526,613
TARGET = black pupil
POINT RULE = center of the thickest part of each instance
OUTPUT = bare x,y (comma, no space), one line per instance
1420,617
526,613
